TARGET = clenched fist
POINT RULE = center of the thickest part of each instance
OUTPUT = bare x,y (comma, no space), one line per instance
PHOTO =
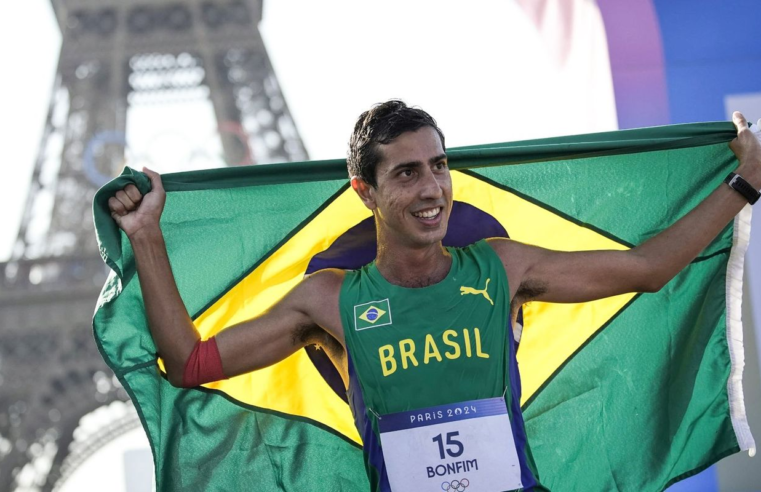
134,212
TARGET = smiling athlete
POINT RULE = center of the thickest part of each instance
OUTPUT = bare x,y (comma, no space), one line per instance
426,353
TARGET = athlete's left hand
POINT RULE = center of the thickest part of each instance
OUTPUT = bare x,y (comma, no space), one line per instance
747,148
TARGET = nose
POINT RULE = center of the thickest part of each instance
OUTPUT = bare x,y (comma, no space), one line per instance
430,187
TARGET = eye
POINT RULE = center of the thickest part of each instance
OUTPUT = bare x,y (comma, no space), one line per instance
441,165
406,173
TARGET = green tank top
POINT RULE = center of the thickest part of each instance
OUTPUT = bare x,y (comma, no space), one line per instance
420,347
413,348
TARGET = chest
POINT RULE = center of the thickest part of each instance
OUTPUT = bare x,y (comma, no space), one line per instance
407,343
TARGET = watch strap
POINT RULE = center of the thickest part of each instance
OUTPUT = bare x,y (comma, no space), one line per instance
738,183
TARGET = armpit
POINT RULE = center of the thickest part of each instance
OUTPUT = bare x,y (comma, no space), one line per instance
528,291
311,334
315,335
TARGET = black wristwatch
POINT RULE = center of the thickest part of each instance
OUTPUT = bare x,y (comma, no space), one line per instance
737,183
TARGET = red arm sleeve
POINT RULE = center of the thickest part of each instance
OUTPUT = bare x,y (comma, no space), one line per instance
204,365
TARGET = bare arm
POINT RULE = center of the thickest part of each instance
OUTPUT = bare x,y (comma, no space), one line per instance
291,324
308,315
553,276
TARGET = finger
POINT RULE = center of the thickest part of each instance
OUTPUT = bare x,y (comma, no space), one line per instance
739,120
155,177
126,200
116,207
133,193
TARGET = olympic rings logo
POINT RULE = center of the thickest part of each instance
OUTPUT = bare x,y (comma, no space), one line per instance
455,485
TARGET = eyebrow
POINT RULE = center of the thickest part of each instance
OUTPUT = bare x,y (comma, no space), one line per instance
409,164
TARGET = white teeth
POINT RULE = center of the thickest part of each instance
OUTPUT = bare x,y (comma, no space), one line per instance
427,214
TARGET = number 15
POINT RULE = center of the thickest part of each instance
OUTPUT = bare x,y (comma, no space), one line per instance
454,447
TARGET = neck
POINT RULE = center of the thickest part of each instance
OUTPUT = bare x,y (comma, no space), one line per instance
413,267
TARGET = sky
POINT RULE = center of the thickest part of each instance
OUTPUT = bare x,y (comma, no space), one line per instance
29,57
482,72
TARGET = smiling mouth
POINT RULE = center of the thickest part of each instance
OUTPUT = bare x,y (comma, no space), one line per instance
429,214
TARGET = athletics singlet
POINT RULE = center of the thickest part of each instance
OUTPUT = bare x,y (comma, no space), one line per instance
436,356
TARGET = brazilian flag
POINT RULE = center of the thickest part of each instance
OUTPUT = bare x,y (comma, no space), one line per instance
632,392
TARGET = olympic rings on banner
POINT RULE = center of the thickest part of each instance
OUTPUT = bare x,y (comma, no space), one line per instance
455,485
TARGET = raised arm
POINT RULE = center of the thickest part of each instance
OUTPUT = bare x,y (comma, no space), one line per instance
296,321
553,276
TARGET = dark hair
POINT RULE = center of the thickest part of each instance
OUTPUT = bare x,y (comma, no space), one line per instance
381,125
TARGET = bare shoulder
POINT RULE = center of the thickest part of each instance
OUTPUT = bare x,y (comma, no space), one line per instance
501,245
516,257
508,250
324,284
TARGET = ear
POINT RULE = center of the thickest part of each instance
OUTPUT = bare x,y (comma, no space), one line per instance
365,191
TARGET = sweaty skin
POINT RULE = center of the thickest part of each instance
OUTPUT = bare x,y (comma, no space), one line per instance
411,204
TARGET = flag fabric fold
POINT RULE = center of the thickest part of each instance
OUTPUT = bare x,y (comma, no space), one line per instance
633,392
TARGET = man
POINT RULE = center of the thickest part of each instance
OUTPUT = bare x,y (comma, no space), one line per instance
421,336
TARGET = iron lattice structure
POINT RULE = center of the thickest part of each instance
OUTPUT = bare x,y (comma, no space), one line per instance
115,54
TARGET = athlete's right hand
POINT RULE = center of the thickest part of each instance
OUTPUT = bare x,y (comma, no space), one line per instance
134,212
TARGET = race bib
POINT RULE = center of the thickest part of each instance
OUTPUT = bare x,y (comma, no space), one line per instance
461,447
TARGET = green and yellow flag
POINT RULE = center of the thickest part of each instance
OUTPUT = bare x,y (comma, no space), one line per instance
632,393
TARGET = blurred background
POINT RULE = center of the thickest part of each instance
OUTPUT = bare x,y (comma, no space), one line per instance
88,86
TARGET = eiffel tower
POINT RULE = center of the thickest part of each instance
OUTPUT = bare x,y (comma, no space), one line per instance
115,55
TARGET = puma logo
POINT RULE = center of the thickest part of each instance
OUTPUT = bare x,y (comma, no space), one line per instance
470,290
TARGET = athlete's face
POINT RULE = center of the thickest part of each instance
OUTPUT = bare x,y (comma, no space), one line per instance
413,198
